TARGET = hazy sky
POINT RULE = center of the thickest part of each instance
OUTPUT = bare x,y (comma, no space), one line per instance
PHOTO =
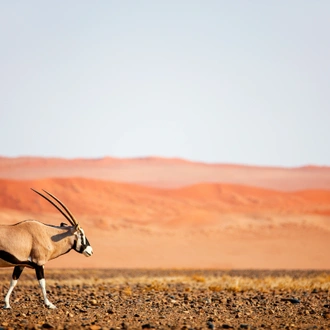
215,81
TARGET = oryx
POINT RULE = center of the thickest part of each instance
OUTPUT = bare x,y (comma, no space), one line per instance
31,243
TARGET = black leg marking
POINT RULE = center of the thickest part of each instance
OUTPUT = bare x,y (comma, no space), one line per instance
17,272
40,272
42,283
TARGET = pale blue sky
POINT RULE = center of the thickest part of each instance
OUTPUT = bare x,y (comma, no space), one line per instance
214,81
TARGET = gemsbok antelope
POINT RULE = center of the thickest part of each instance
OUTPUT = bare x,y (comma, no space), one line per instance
31,243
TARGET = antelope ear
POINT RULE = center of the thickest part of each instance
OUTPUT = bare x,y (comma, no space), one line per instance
63,224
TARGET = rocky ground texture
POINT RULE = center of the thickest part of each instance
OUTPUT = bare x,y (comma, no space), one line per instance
170,299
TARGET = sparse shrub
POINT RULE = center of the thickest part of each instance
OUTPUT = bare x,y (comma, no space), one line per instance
127,291
198,278
215,288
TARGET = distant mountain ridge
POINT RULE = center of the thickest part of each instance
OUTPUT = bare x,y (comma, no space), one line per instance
165,172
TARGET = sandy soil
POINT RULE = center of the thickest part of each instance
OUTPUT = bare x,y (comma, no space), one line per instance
127,245
170,299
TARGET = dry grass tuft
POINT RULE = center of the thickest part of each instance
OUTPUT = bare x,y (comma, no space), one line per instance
198,278
187,282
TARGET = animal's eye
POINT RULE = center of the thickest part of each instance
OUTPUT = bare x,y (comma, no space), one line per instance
63,224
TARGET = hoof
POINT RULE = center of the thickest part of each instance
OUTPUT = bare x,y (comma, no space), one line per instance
51,306
6,307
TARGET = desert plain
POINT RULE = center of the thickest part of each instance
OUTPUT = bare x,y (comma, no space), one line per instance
216,245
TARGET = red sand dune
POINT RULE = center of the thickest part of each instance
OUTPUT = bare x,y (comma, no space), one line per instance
138,203
170,173
174,213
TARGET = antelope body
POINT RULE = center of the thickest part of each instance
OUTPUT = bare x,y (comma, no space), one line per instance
31,243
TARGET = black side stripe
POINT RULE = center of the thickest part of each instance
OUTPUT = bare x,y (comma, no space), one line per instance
8,257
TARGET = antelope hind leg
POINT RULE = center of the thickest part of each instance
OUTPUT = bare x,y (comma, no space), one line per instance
16,274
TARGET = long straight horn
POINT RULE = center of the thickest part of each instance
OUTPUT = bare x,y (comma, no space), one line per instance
73,222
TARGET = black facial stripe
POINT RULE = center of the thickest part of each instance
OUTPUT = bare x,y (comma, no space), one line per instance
79,244
82,237
79,247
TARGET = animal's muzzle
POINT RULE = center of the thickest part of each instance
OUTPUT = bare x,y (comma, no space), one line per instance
88,251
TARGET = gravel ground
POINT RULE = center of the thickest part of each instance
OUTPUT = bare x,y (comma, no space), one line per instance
170,299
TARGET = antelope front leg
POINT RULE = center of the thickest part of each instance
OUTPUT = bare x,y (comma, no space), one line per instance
16,274
42,282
